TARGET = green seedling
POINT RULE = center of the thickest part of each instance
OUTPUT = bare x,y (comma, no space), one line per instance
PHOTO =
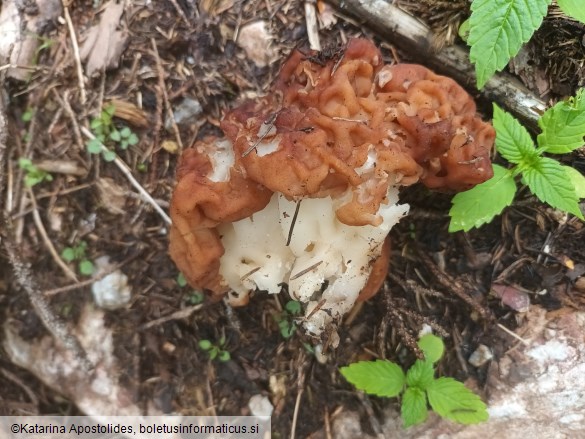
419,388
215,350
563,129
108,136
286,319
196,297
32,174
497,29
78,254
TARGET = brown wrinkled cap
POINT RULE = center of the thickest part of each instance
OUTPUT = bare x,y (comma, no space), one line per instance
309,137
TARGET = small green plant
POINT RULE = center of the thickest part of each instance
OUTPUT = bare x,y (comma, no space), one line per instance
286,319
497,29
107,134
215,350
77,254
563,129
419,388
196,297
32,174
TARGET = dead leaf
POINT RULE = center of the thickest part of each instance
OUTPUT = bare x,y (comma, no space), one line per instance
170,146
112,196
255,39
130,113
104,42
216,7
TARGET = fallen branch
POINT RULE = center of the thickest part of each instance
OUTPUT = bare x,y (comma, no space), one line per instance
415,38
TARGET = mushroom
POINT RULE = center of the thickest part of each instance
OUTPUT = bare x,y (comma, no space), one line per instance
303,188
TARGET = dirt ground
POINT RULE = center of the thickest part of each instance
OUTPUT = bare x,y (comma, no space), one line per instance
163,56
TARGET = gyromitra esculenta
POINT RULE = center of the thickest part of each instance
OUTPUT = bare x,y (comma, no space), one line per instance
303,188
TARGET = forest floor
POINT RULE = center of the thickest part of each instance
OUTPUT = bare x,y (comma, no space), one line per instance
151,59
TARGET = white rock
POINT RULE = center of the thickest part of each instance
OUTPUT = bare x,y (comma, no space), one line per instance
255,39
113,291
260,405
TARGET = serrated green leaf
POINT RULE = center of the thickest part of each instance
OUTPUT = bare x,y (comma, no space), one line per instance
498,28
414,407
573,8
452,400
548,181
420,374
432,346
577,179
479,205
563,125
380,377
512,140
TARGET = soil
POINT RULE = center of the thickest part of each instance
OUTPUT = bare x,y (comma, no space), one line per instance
436,278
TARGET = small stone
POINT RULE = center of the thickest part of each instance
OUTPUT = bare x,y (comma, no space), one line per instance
482,355
112,291
260,405
255,39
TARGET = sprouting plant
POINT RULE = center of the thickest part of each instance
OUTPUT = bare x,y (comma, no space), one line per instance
215,350
563,129
107,134
419,387
196,297
77,254
498,28
32,174
286,319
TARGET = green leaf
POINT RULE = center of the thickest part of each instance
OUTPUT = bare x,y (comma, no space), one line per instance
86,267
420,374
573,8
293,307
125,132
286,328
25,163
414,407
213,352
181,281
96,124
109,156
115,136
94,146
464,30
498,28
512,140
432,346
224,356
577,179
205,345
27,115
479,205
380,377
452,400
132,139
68,254
563,126
548,181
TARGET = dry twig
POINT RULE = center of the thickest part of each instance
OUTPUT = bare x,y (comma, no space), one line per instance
126,171
48,243
79,68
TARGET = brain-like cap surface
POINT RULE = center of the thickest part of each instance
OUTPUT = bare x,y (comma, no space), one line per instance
343,125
